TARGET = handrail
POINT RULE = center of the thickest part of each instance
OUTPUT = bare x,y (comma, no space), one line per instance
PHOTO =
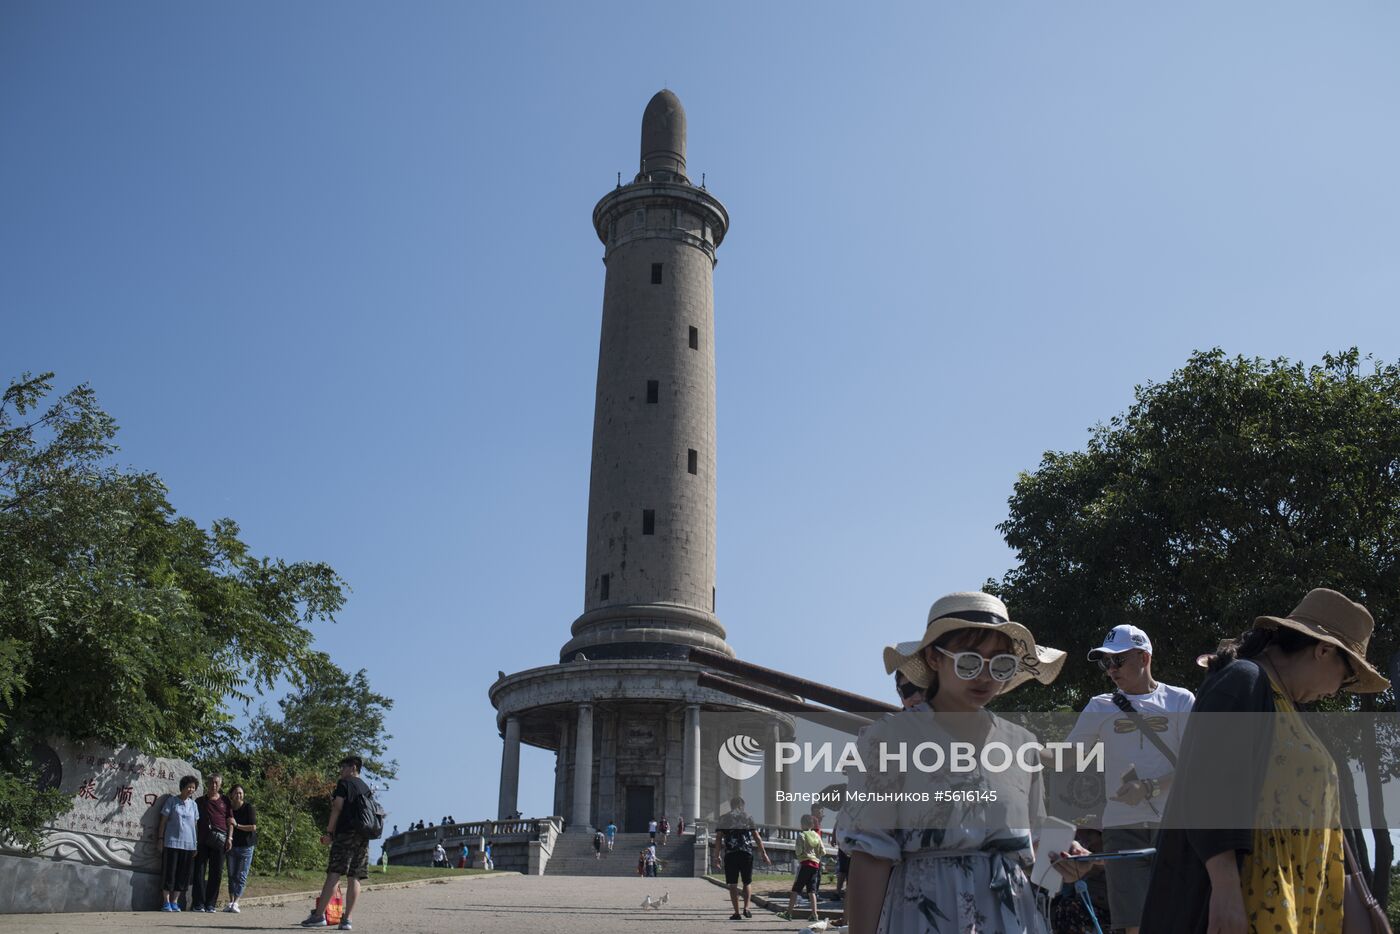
536,827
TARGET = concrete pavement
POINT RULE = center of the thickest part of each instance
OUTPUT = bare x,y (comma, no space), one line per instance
511,905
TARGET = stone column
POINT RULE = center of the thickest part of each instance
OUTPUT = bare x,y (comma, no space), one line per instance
581,818
785,810
510,770
561,772
690,770
771,815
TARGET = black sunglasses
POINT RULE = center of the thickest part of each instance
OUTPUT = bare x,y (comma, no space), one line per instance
1110,662
908,689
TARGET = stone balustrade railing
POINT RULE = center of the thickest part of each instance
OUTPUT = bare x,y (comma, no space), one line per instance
470,831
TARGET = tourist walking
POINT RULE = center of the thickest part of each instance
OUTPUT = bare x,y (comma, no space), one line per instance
735,839
808,855
245,837
818,814
349,854
1140,724
651,860
598,845
651,829
612,834
439,856
215,841
931,839
1287,861
178,836
664,827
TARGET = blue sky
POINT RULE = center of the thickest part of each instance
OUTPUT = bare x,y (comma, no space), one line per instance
331,267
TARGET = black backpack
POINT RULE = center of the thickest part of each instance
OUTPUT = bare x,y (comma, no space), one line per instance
372,814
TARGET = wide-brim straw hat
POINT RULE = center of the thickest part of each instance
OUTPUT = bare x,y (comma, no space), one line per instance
1336,619
975,610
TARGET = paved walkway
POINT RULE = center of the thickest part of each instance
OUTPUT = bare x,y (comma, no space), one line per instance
512,905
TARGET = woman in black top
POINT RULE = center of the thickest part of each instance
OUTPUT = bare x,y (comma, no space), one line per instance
245,837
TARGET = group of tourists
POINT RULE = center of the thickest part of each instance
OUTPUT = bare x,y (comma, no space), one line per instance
448,820
464,855
198,837
648,863
962,864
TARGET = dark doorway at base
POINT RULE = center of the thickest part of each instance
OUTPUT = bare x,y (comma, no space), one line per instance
640,803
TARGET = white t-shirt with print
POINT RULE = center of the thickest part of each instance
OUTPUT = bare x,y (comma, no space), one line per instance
1125,747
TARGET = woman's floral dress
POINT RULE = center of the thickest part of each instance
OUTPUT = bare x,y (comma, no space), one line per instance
959,856
1293,881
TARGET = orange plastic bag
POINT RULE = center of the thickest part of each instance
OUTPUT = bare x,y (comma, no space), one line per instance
335,909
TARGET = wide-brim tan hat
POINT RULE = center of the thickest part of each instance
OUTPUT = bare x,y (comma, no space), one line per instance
904,658
1336,619
975,610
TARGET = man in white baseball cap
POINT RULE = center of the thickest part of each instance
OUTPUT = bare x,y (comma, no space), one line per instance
1140,724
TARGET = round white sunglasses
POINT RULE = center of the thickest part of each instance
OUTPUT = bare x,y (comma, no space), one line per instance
968,665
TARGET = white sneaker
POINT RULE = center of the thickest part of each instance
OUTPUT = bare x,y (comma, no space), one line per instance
233,907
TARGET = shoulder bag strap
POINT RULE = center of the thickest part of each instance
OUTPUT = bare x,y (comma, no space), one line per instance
1361,912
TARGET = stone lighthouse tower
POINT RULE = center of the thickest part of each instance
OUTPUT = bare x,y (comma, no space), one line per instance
650,590
621,706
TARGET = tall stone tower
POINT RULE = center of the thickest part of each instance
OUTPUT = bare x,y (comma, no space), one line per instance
650,589
622,707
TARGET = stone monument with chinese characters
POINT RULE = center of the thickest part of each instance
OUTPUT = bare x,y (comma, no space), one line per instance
101,855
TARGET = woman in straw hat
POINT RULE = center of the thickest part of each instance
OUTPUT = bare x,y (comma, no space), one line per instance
1283,870
956,861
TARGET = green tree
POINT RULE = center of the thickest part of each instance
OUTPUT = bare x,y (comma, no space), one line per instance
1225,492
332,714
120,621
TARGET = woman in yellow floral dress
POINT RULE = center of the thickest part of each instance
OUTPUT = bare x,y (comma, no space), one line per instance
1284,873
1292,881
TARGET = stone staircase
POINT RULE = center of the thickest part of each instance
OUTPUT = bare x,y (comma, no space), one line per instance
573,855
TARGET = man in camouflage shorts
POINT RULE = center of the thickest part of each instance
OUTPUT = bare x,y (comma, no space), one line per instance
349,846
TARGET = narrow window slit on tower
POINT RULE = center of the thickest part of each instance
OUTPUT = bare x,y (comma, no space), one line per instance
694,338
653,391
655,273
692,461
648,521
603,587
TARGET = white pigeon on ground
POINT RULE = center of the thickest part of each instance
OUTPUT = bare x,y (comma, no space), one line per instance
648,903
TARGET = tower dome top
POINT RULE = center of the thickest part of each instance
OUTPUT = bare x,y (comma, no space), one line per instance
663,138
